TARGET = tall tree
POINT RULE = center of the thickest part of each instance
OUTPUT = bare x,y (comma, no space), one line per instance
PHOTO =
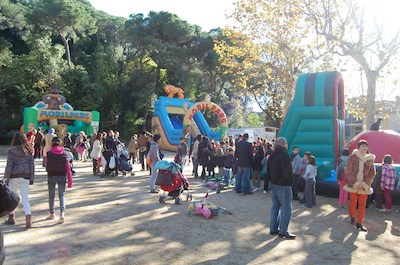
68,19
347,31
265,52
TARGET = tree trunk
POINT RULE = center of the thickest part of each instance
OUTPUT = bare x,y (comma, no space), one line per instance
67,51
371,92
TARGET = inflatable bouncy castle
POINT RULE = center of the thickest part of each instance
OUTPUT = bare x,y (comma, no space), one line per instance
315,119
53,111
179,117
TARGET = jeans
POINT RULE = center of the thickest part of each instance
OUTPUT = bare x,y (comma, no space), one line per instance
227,175
309,193
256,179
51,183
24,188
195,167
281,211
153,177
243,179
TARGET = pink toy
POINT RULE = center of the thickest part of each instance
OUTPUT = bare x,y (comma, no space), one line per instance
202,210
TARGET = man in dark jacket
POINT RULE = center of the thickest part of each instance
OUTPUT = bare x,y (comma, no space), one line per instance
244,154
281,176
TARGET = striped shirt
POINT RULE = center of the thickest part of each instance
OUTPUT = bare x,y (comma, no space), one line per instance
388,177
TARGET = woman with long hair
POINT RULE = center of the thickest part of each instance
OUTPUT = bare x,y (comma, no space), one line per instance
96,152
20,172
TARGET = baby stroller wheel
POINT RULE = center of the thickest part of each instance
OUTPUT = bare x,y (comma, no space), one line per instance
178,201
123,173
189,197
162,199
132,174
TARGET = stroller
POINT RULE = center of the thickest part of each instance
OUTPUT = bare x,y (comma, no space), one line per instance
107,171
124,164
171,180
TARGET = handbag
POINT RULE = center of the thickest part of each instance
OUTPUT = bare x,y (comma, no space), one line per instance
8,199
164,178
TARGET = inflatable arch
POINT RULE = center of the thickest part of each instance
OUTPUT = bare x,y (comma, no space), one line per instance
54,112
206,105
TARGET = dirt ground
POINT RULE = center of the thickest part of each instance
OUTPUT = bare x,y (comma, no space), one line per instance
117,221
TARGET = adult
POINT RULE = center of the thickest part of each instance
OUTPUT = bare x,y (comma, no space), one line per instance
203,154
110,142
142,144
20,172
2,252
133,148
280,174
360,173
154,155
182,152
96,152
47,143
297,162
375,126
68,141
58,169
38,143
244,154
195,156
83,146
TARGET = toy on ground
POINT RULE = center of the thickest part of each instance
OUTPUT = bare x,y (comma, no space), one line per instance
206,208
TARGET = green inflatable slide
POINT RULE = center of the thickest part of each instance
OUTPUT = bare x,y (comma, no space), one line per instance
315,120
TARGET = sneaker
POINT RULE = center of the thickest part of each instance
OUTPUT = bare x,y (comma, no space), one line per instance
248,193
256,189
153,191
287,235
383,210
50,217
264,191
361,227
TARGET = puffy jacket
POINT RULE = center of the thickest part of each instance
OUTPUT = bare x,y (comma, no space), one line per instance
279,169
19,164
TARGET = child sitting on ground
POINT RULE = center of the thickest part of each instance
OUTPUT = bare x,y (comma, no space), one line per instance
309,176
229,161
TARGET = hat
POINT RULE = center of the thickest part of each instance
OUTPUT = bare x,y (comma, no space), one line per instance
156,137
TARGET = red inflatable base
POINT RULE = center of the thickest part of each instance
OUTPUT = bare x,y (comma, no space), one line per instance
380,143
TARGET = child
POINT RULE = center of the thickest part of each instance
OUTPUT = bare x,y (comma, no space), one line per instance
302,181
309,177
219,159
341,178
229,161
264,164
257,167
388,182
296,167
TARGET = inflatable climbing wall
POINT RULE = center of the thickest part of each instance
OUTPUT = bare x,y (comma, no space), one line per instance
315,119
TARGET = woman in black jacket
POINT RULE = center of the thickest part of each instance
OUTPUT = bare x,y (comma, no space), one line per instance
19,172
204,153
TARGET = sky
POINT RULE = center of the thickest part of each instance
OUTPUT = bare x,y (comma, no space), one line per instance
208,14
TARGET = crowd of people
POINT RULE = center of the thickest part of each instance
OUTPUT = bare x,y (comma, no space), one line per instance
231,160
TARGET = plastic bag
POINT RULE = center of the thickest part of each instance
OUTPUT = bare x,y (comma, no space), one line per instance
113,163
103,161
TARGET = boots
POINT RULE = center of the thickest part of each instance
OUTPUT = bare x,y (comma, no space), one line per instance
28,219
11,219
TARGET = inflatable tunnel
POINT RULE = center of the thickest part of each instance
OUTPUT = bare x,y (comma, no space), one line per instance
315,120
168,122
